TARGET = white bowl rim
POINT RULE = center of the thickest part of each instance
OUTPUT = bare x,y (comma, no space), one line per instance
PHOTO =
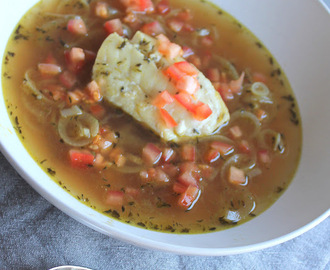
138,240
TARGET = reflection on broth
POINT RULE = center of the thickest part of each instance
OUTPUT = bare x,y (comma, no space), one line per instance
74,115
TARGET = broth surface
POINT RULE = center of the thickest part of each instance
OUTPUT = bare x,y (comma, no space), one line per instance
150,204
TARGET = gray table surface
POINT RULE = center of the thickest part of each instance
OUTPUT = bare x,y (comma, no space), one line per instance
36,235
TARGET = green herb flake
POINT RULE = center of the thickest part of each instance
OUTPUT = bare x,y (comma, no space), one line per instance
122,45
51,171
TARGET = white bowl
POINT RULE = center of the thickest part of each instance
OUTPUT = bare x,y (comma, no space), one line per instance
297,33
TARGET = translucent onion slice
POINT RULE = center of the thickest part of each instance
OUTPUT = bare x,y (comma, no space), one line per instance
216,137
270,140
32,87
260,89
74,110
133,158
78,130
243,161
247,116
241,206
128,169
228,67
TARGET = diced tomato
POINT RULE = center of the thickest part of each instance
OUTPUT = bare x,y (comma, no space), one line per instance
173,51
116,155
162,39
189,174
235,132
75,59
161,176
212,155
49,69
188,84
99,161
77,26
97,110
261,114
236,176
213,74
68,79
114,198
188,152
202,112
179,188
153,28
168,154
75,96
55,92
188,27
221,147
114,26
187,179
77,55
163,7
187,198
236,85
151,154
174,73
170,169
145,176
168,119
186,68
185,100
264,157
207,41
81,159
206,171
244,146
163,99
187,51
168,49
139,5
175,24
94,91
102,10
225,92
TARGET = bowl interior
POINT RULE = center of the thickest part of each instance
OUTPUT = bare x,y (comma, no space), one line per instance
302,49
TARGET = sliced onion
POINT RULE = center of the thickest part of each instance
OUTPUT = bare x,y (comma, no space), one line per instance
78,130
240,205
243,161
259,89
135,159
32,87
271,140
74,110
128,169
216,137
254,172
247,116
228,67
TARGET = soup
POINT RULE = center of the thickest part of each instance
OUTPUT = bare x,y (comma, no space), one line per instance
113,163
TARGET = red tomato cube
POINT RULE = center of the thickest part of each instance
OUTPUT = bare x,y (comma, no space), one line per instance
151,154
77,26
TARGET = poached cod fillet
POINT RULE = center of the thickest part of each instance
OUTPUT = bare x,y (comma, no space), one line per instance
131,76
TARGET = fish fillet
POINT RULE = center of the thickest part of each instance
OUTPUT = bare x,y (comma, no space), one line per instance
129,73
